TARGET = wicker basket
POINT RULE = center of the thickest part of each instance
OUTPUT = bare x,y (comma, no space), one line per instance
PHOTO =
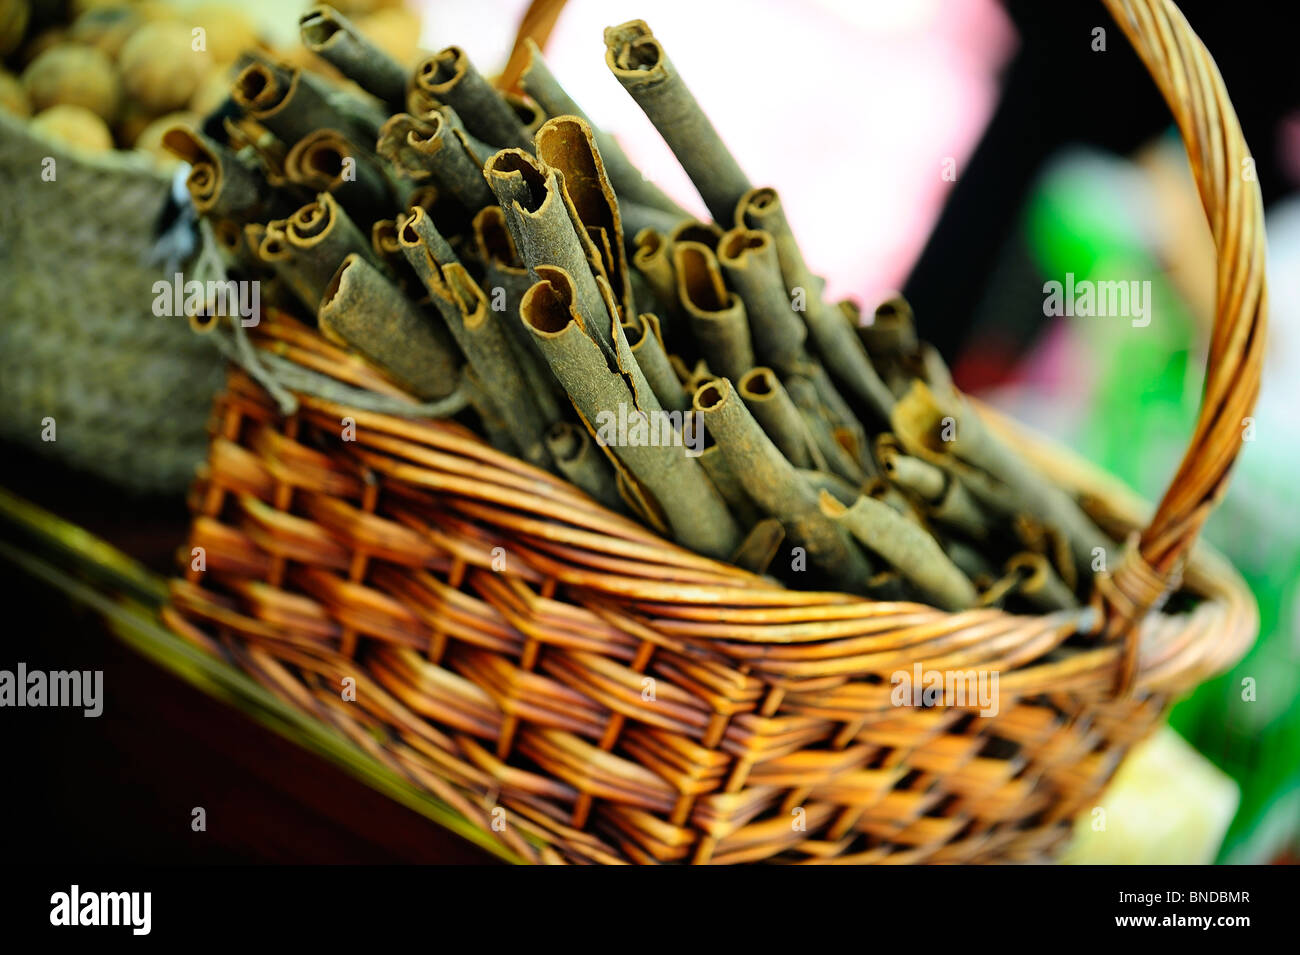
585,691
129,392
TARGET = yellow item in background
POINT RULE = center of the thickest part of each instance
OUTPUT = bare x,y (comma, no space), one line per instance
1167,805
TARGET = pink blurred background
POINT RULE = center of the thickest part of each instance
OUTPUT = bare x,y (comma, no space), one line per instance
791,108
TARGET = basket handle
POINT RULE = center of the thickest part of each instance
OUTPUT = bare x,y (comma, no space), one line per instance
1190,82
536,24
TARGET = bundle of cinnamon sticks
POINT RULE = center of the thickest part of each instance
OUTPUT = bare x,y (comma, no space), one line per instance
495,247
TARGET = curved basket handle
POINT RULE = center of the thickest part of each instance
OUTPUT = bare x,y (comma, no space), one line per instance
537,23
1192,87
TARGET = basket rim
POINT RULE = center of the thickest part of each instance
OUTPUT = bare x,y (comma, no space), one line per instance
762,619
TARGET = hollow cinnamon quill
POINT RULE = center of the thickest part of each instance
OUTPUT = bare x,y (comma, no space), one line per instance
778,489
449,77
682,493
566,144
366,312
639,62
837,344
913,552
544,230
578,460
629,184
329,34
716,316
928,424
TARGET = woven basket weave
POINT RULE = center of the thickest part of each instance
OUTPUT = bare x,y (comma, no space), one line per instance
585,691
129,391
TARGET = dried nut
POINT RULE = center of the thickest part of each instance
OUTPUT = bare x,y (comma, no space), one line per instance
105,28
74,75
13,98
228,31
14,15
160,67
74,126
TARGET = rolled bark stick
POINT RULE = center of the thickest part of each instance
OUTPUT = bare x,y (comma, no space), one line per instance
449,77
948,501
457,156
838,345
718,468
383,242
487,346
268,241
760,546
772,408
892,330
929,425
530,113
717,317
637,218
777,488
369,314
639,62
330,35
284,100
219,183
972,562
294,275
543,230
914,553
566,144
690,504
437,144
643,336
688,429
417,231
393,144
325,160
652,258
760,208
1039,584
503,270
836,457
832,484
693,230
579,460
429,254
919,477
320,236
748,257
630,185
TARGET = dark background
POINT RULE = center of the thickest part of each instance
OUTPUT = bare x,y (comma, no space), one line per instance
121,787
